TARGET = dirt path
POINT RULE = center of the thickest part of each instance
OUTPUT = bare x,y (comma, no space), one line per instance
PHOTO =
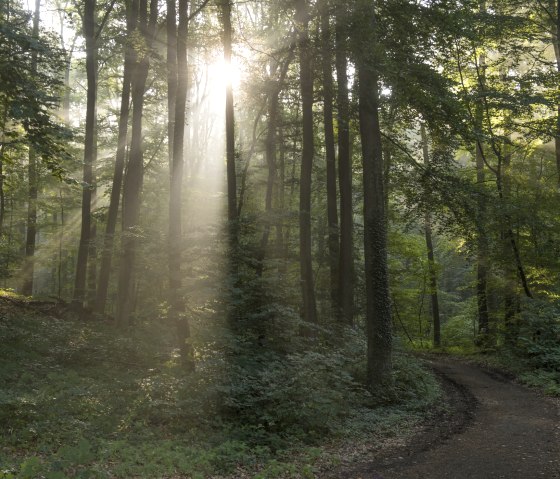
498,430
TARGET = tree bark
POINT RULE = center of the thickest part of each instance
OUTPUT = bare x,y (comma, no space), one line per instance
109,238
89,151
556,44
230,131
482,242
346,260
430,249
328,124
270,153
132,188
306,85
2,149
378,309
177,301
31,233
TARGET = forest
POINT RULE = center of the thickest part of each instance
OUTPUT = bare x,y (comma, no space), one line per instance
235,234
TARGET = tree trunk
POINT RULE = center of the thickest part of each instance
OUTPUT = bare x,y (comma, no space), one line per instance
132,188
31,233
270,154
306,85
273,105
89,151
177,302
556,43
482,242
108,242
2,146
332,212
378,309
231,173
230,134
171,25
430,248
509,243
346,261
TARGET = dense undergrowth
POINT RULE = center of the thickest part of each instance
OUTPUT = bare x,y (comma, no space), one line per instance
79,399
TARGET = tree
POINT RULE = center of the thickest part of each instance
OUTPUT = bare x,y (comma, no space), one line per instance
306,86
31,233
177,40
132,188
430,249
89,150
29,96
120,160
378,302
330,155
346,261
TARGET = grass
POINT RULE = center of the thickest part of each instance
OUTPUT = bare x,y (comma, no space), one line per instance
79,399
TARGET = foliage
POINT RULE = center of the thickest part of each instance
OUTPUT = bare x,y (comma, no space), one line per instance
29,96
83,401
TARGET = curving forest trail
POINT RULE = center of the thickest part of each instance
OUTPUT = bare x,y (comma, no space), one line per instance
497,429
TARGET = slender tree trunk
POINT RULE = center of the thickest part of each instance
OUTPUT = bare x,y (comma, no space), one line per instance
171,25
271,164
132,188
92,259
378,309
306,84
60,244
346,260
510,276
109,238
281,201
482,242
332,211
482,251
430,248
29,268
231,172
2,148
556,44
177,302
230,134
273,106
89,151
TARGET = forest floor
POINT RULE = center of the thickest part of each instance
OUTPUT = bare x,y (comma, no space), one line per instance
494,428
79,400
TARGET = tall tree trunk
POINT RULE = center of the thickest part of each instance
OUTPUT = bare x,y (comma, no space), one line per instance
109,238
31,233
556,44
92,257
430,248
510,277
346,261
482,242
177,302
270,154
328,123
230,132
273,106
89,150
378,309
132,188
171,26
231,173
2,147
306,85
